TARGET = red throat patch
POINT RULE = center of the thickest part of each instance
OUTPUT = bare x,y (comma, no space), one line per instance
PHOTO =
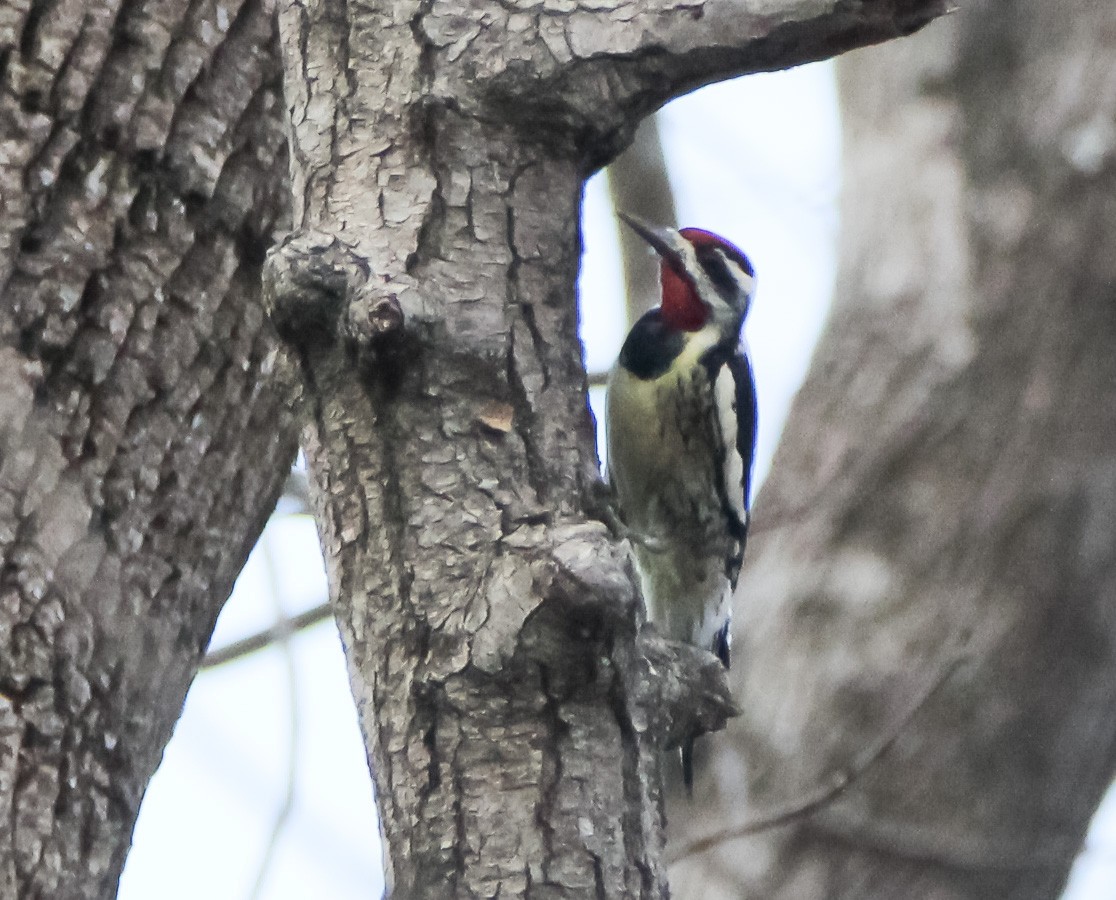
681,307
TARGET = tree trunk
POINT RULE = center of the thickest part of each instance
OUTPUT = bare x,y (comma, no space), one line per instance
145,423
144,429
945,489
428,296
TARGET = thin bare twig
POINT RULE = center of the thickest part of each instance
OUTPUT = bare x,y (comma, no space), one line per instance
295,500
826,792
267,637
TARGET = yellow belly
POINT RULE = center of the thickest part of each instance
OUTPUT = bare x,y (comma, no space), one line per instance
661,447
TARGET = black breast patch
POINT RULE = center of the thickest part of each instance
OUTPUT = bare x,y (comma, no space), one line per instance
650,347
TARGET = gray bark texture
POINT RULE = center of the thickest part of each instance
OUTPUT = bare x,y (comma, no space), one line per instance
427,295
945,490
145,429
426,299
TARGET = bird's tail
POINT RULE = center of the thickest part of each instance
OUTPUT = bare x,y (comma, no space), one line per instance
688,765
720,649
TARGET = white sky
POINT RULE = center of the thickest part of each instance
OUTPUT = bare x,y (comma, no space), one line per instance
756,160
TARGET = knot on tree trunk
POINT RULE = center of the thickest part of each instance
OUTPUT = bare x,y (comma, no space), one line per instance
673,689
320,290
677,689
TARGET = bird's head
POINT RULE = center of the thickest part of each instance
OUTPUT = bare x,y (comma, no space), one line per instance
704,277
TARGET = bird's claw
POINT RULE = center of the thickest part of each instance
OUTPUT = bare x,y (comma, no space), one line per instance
609,515
646,541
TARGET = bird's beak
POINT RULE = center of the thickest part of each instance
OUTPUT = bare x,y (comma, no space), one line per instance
668,243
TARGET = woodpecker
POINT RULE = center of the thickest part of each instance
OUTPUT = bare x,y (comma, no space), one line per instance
681,435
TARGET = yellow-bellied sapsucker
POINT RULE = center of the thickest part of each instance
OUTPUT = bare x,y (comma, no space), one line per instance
681,424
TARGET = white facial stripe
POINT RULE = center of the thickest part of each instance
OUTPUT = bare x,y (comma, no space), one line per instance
740,276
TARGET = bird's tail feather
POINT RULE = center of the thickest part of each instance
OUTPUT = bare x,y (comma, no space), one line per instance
688,765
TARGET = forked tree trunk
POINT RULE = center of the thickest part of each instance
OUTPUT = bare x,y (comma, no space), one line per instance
146,426
945,489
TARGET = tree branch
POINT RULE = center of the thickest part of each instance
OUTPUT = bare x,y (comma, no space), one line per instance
638,183
290,666
678,690
828,791
261,639
603,67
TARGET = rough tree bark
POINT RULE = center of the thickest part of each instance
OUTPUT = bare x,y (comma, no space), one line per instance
946,486
427,295
144,430
145,420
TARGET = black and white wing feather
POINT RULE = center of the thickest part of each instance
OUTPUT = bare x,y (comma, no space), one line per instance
734,395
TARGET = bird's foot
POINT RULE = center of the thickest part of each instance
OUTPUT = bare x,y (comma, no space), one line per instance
608,513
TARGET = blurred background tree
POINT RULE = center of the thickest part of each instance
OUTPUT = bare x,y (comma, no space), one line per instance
943,491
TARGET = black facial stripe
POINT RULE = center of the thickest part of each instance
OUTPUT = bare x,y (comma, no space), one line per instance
714,261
